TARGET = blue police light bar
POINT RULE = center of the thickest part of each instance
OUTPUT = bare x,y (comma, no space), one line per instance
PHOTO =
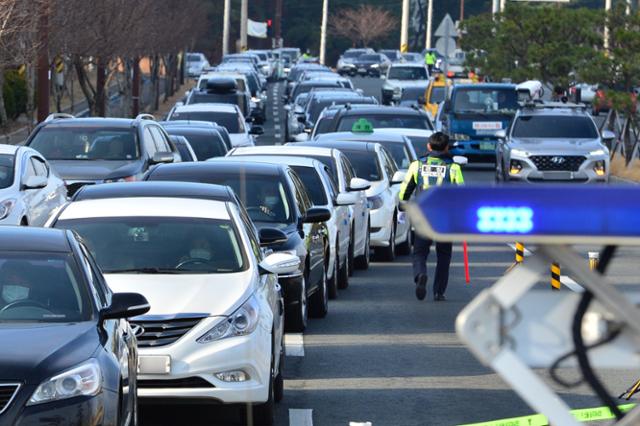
530,213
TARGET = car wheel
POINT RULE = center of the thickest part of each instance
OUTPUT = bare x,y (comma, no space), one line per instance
351,255
332,284
278,383
363,261
405,247
264,414
319,302
296,317
388,253
343,275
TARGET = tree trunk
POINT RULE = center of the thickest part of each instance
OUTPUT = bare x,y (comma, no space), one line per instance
155,80
135,87
101,95
30,77
4,120
85,85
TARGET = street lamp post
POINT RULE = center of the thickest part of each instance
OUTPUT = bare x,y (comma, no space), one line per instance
430,21
404,30
244,18
225,26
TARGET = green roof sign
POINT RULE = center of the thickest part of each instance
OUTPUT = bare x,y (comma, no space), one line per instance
362,126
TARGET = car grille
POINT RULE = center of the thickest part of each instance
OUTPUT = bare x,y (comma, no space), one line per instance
569,163
7,392
163,332
187,382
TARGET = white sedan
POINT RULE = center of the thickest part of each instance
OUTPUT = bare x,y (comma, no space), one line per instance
215,329
29,189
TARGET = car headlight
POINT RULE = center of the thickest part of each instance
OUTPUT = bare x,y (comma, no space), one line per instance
375,66
519,153
83,380
460,137
256,100
598,152
122,179
5,208
240,323
375,202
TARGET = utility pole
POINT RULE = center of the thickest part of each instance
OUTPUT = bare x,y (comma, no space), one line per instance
607,9
244,18
323,31
404,30
430,22
43,64
461,10
503,4
225,27
495,6
278,22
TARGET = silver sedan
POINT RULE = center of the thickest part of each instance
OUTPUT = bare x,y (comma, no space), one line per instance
29,189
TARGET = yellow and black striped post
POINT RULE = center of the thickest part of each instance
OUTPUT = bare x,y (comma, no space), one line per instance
555,276
594,259
59,64
519,252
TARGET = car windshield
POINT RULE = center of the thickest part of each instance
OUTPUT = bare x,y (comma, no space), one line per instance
365,164
172,245
42,287
419,144
407,73
413,93
6,170
323,126
86,143
313,184
391,54
193,58
318,105
352,54
205,144
183,150
398,152
370,58
230,120
474,100
437,95
265,197
306,88
385,121
554,127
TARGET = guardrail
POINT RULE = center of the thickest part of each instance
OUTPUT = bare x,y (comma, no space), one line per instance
627,131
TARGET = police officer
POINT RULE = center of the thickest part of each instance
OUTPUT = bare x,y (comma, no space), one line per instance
437,168
430,60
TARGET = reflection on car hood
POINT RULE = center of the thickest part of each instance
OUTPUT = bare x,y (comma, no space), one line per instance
209,294
94,169
32,353
556,146
240,139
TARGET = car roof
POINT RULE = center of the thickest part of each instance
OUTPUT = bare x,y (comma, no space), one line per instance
156,189
26,238
188,123
405,131
289,160
186,129
8,149
345,145
221,165
382,109
554,108
293,148
407,65
481,86
376,136
93,122
217,107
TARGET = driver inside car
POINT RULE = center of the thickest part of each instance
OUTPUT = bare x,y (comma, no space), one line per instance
199,249
15,286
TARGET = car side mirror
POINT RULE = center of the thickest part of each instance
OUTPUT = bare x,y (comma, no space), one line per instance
501,134
359,184
256,130
279,263
398,177
302,119
460,160
162,157
126,305
271,236
346,199
608,135
35,182
317,215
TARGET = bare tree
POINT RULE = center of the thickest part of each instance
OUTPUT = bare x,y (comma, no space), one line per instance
362,25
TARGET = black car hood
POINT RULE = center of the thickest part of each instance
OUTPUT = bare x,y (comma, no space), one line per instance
32,353
95,170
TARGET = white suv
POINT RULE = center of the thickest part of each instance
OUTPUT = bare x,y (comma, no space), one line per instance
215,328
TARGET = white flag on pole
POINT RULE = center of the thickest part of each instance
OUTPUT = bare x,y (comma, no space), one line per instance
256,29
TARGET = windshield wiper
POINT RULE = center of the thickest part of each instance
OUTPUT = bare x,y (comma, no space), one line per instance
143,271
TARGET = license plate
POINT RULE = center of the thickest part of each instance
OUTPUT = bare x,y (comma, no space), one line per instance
487,125
487,146
558,176
361,70
154,364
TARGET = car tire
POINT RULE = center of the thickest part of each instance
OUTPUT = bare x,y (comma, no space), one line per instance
343,275
264,414
388,254
278,383
351,254
404,248
332,284
362,262
319,301
297,316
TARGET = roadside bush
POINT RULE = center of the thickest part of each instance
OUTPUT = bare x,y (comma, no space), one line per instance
15,93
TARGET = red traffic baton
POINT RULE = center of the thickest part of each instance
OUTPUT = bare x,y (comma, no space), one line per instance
465,251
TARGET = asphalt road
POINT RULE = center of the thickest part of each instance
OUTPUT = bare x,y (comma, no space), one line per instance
381,356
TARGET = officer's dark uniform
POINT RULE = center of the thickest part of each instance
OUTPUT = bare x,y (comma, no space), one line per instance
435,169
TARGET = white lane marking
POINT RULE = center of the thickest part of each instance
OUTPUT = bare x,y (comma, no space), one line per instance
300,417
526,251
294,344
276,126
571,284
276,119
360,424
